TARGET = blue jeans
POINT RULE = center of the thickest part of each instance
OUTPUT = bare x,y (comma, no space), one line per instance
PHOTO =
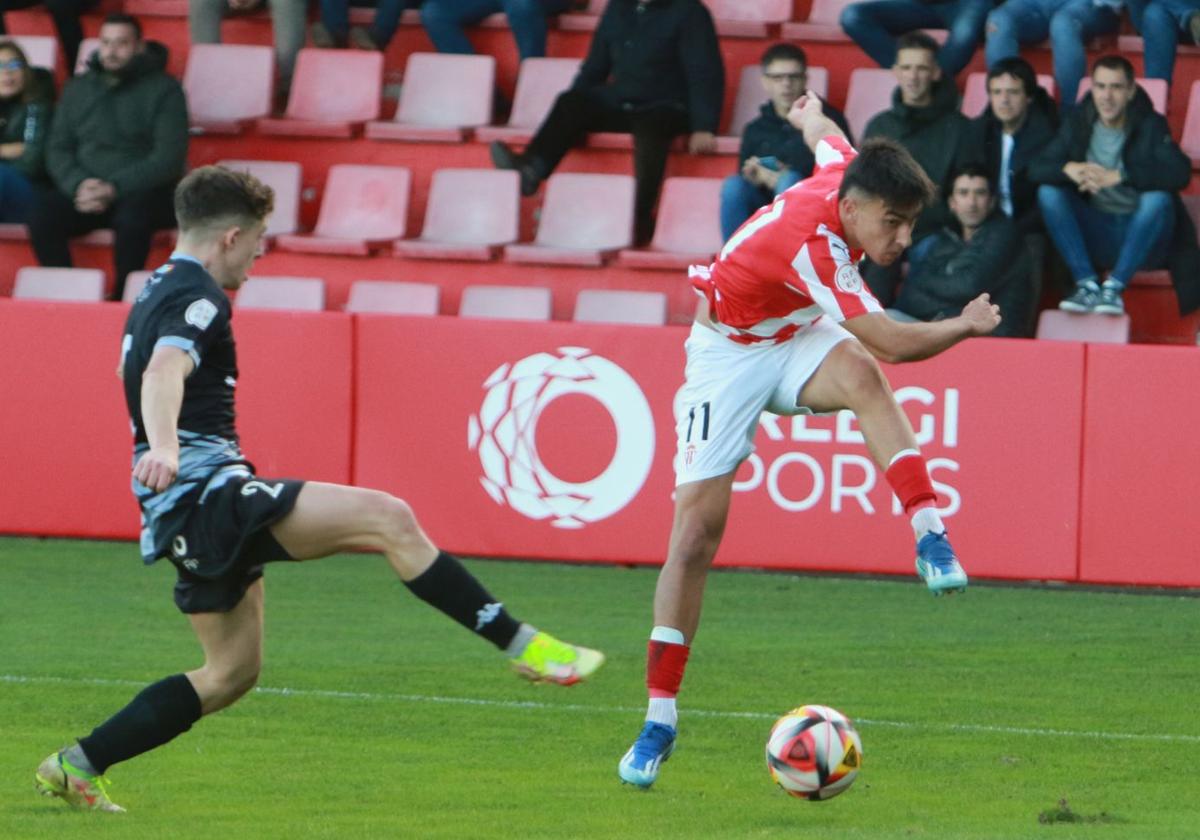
444,21
1087,237
740,198
875,25
16,195
1069,25
1161,22
335,14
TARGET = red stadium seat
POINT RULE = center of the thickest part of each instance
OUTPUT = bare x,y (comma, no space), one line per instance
284,178
750,99
1057,325
688,229
135,281
869,93
1156,89
332,92
86,47
518,303
362,206
1134,44
40,50
1190,142
539,83
157,8
227,86
442,98
975,97
584,21
584,218
470,214
611,306
68,284
748,18
303,293
393,297
822,24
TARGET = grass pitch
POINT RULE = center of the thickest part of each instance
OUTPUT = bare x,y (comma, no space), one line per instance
1006,713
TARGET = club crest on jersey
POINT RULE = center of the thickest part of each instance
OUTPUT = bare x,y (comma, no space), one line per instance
201,313
848,279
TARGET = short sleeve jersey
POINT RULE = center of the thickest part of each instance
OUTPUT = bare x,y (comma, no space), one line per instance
182,306
789,264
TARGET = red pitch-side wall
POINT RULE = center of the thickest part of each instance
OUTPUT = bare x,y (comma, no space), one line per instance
1141,477
64,437
999,420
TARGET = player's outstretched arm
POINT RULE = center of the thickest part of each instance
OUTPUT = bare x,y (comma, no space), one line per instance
894,342
162,396
809,119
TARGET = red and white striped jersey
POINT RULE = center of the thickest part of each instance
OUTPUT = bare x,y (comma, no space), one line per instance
789,264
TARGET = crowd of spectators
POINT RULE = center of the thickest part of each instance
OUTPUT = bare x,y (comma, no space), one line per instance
1097,178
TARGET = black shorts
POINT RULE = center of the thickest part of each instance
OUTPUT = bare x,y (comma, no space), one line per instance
227,540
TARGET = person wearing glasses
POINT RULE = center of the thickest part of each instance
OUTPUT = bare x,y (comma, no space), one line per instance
26,100
773,154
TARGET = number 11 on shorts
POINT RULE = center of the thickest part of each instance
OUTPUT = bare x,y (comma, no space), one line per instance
705,408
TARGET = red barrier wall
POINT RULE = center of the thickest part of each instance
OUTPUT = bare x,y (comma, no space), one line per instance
1141,477
65,456
809,498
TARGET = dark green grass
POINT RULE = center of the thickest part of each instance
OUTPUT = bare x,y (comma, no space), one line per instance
84,625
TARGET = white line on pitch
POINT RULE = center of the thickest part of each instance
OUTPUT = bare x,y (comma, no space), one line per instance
577,707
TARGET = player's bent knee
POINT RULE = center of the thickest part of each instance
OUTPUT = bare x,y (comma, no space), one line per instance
860,376
395,521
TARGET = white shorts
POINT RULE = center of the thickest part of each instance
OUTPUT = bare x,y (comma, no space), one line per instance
729,385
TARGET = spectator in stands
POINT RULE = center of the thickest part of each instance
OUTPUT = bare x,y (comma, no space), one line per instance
287,22
978,251
1109,194
924,118
654,70
118,145
773,154
876,25
1019,121
1069,24
444,21
334,30
65,14
26,100
1163,24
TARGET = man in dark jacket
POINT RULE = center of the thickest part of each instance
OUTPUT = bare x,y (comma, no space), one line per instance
1109,195
925,120
1019,121
773,154
654,70
117,148
980,251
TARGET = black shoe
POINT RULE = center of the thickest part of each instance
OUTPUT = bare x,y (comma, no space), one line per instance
505,158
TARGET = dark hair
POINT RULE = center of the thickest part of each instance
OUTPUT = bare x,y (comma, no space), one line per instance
969,170
123,19
1018,68
1115,62
916,40
784,52
27,88
885,170
212,194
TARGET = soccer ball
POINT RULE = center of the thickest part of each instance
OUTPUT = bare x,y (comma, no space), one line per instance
814,752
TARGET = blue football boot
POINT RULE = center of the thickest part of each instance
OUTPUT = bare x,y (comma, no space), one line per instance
937,565
653,746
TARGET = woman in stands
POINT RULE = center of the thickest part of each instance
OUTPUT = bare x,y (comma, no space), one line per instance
26,99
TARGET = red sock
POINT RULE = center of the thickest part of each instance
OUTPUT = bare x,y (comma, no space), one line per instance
665,663
909,478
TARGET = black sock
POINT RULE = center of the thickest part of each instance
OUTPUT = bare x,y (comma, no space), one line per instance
156,715
450,588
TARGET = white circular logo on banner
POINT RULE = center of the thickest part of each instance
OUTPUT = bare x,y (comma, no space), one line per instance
504,433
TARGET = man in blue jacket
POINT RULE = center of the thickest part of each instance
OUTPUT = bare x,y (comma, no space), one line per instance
1109,194
773,155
